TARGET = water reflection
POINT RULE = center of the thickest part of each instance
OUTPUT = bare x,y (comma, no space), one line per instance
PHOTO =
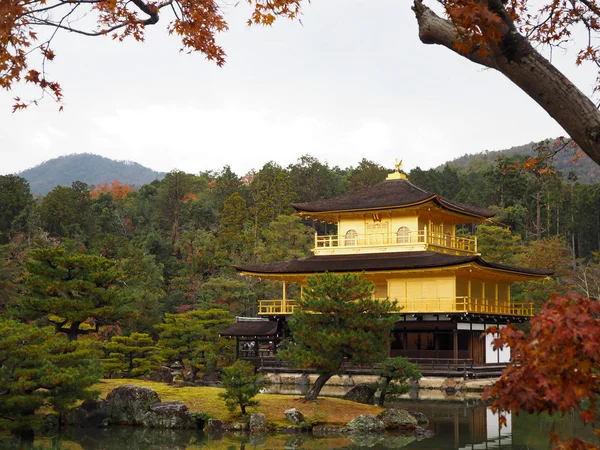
457,426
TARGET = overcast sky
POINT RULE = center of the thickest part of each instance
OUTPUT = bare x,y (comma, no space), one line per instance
352,81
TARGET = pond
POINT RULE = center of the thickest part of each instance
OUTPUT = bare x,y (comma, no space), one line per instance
461,425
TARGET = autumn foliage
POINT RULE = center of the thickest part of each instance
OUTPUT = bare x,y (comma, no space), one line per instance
27,28
555,366
117,189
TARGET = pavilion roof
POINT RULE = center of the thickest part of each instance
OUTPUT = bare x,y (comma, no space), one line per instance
373,262
388,195
251,329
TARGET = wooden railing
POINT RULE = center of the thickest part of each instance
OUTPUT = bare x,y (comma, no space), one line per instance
423,306
276,307
407,240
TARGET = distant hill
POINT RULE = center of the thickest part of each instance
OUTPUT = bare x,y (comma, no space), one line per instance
91,169
586,170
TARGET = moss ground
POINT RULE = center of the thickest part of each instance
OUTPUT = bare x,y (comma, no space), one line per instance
331,411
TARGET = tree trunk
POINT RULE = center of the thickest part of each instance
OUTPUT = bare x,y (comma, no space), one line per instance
384,388
73,331
315,390
530,71
538,218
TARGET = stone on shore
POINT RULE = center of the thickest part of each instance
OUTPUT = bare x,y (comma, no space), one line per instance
128,404
397,419
366,424
168,415
257,423
294,416
361,393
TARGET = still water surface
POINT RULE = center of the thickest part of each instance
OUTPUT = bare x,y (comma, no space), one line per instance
457,425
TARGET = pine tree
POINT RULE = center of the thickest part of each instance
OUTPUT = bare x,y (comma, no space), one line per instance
400,371
77,292
241,383
193,340
339,321
131,356
40,368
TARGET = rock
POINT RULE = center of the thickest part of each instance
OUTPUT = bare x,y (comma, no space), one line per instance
452,385
421,418
361,393
294,416
257,423
397,419
366,424
329,430
421,433
128,404
91,413
366,439
169,415
210,378
214,426
161,375
239,426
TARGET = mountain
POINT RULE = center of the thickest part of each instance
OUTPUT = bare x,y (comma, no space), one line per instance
91,169
586,170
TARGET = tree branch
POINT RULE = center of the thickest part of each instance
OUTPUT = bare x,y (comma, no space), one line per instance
531,72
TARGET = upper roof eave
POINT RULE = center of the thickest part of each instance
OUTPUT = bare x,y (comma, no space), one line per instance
388,195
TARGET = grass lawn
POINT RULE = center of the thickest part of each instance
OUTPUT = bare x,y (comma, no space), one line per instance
332,411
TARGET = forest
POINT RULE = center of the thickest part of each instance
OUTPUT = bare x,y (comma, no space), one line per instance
134,276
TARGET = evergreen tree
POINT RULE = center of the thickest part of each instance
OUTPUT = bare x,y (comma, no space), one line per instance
241,383
130,356
234,218
339,321
366,174
40,368
498,244
77,292
15,196
193,340
399,371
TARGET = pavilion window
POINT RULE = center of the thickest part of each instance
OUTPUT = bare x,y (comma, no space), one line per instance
350,239
403,235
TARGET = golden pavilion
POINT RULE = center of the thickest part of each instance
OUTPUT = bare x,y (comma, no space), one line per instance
404,239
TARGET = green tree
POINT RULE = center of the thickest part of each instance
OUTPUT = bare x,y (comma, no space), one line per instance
271,192
401,372
284,238
313,180
77,292
193,340
130,356
241,383
234,218
39,368
234,293
498,244
15,196
339,321
65,211
366,174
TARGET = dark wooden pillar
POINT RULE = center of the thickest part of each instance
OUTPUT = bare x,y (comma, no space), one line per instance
455,344
237,348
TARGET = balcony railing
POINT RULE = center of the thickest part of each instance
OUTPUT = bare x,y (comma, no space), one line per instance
423,306
276,307
409,240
